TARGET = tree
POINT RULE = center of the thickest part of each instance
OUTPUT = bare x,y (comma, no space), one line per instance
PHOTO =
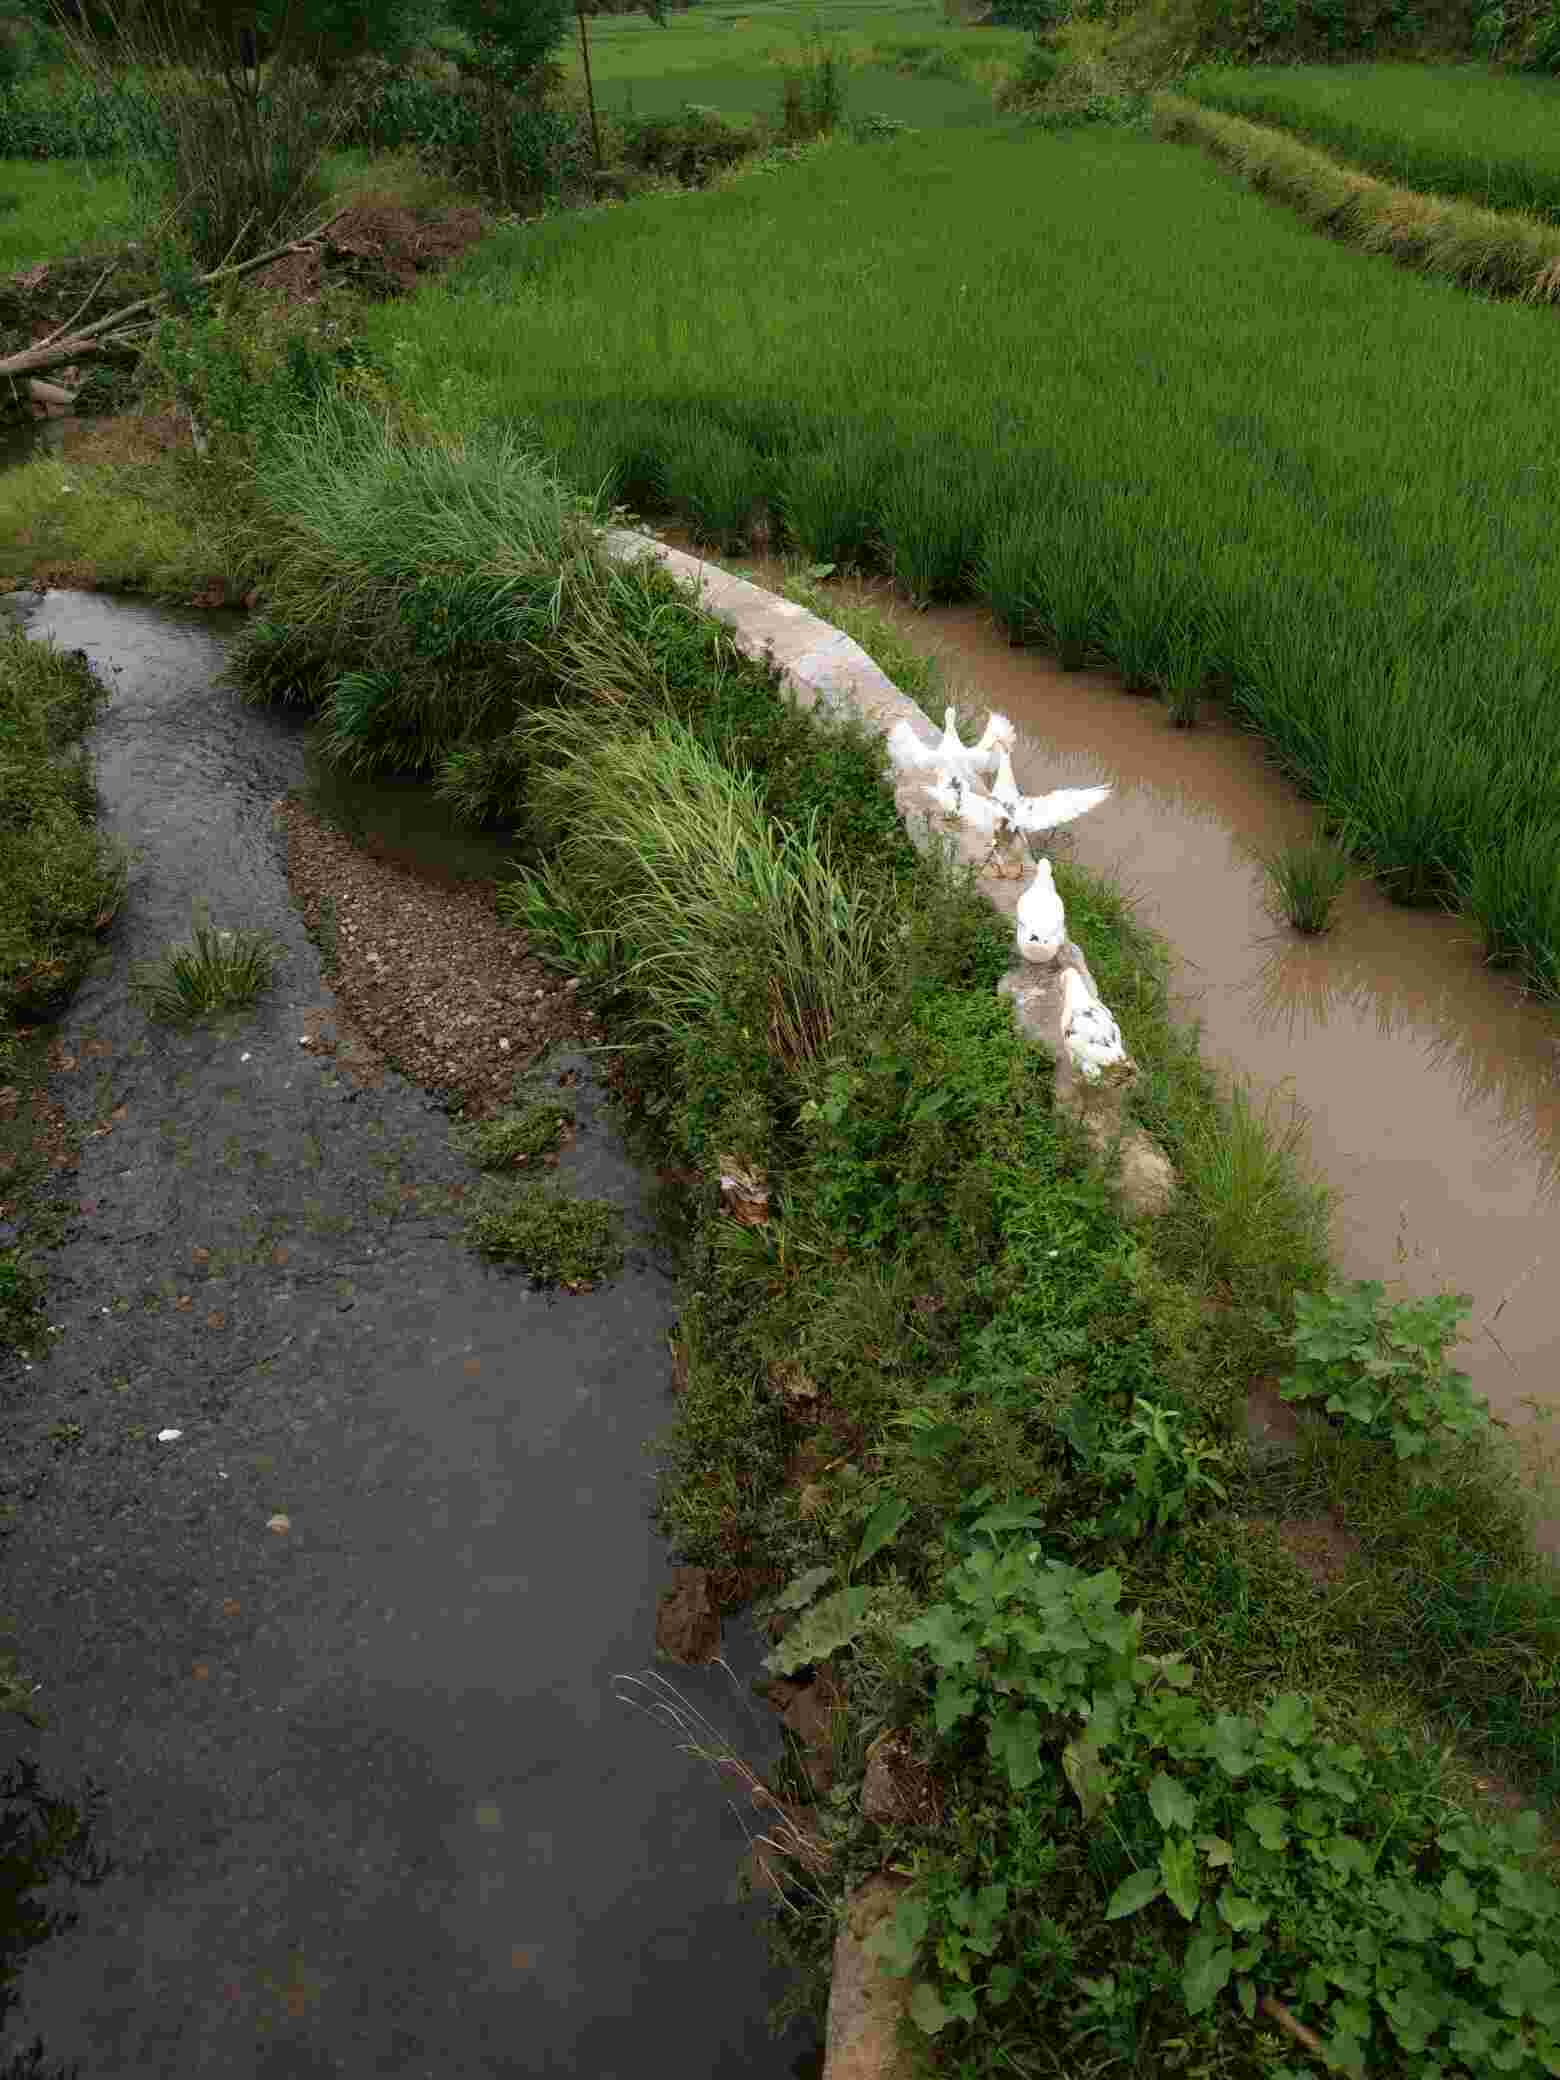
511,39
656,9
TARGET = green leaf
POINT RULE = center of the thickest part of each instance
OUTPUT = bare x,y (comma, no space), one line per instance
1173,1804
954,1701
1178,1862
1088,1776
827,1627
799,1592
1232,1746
1013,1738
882,1527
1207,1972
1133,1894
1290,1719
896,1941
927,2010
1268,1824
1218,1851
1240,1913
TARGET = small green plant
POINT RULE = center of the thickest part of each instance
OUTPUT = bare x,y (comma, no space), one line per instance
1384,1369
1164,1469
1305,880
215,971
21,1303
512,1138
574,1243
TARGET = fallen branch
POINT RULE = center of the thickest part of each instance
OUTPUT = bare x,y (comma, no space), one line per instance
116,329
1293,2024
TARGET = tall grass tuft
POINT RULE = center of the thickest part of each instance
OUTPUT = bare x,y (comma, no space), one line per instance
215,971
706,914
1305,881
411,580
1253,1216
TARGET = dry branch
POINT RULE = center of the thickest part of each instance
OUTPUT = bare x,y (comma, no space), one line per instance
117,329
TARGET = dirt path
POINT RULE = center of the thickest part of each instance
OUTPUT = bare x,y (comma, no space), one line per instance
341,1652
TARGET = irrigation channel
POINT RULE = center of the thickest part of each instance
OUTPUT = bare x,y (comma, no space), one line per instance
1431,1088
341,1655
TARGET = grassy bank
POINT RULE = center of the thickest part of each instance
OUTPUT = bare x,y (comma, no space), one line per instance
985,1430
1465,130
1494,252
1096,410
60,885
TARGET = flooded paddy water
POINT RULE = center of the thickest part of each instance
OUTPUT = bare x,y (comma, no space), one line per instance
1430,1085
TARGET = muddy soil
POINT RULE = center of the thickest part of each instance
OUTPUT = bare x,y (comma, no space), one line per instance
341,1653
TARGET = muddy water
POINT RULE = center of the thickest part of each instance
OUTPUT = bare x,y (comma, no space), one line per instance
1431,1087
341,1651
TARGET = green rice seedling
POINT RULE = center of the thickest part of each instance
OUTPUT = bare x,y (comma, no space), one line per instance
1305,880
512,1138
574,1243
215,971
1111,360
930,529
715,480
830,501
1450,129
1515,891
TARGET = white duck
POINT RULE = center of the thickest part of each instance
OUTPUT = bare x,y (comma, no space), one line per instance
955,796
951,754
1040,921
1090,1035
1035,814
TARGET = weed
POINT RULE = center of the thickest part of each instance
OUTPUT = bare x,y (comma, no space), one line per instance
1306,879
1384,1369
215,971
513,1138
1259,1219
574,1243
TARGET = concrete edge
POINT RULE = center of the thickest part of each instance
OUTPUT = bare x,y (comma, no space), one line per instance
822,667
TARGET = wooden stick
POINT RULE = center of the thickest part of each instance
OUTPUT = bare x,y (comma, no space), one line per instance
1292,2023
108,332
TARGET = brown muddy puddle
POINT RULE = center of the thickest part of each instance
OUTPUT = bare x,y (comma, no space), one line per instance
1431,1088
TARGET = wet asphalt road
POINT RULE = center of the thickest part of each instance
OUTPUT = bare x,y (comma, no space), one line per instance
375,1805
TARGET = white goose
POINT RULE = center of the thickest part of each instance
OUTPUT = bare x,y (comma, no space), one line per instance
1090,1035
1040,921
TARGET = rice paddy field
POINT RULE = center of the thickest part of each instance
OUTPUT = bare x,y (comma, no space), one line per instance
1492,137
1147,417
903,60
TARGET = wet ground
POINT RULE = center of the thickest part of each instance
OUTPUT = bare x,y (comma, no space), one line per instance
1431,1086
342,1653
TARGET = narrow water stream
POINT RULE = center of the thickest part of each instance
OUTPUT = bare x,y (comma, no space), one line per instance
1431,1087
339,1645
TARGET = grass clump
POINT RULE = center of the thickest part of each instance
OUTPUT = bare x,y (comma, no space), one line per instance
574,1243
513,1138
60,881
1305,880
215,971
